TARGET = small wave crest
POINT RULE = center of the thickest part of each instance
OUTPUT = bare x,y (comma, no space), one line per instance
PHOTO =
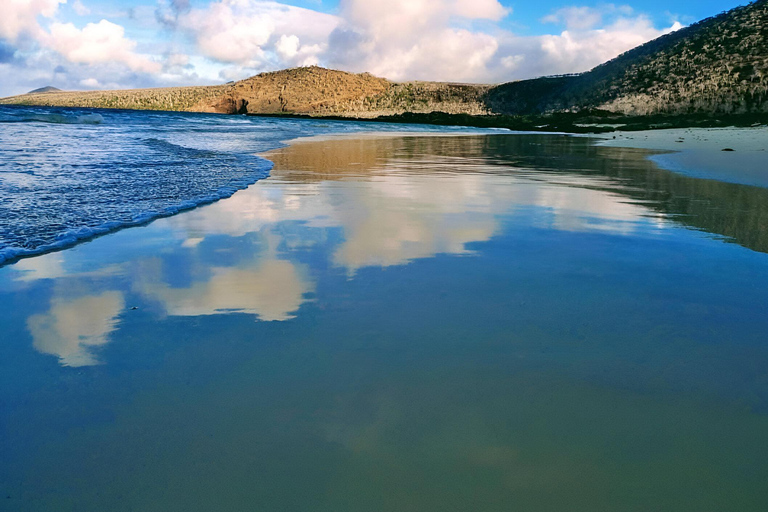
260,170
57,119
62,119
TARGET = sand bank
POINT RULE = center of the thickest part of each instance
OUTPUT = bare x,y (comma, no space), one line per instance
698,152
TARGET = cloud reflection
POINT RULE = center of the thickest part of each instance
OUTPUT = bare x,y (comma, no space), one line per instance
72,328
45,266
273,290
387,201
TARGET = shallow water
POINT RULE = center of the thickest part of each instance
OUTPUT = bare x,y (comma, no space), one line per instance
403,323
71,174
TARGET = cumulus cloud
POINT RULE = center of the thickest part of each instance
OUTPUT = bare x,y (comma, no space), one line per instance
449,40
97,43
406,39
256,34
40,46
591,37
20,17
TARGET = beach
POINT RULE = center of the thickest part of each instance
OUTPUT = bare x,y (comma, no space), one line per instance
734,155
405,321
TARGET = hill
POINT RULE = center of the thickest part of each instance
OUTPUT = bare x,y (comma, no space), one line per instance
47,88
718,65
308,90
325,92
167,98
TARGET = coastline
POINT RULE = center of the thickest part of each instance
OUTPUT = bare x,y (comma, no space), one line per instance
258,170
693,152
732,155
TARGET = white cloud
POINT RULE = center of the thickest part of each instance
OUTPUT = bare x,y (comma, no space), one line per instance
258,34
98,43
101,48
580,50
290,50
448,40
90,83
80,9
408,39
20,17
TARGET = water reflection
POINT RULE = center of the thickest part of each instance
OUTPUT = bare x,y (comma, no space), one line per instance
73,327
391,200
402,323
47,266
271,289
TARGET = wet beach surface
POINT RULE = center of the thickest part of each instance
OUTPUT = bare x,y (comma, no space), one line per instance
490,322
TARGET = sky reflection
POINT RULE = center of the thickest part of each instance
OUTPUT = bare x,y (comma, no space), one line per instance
409,322
72,327
353,203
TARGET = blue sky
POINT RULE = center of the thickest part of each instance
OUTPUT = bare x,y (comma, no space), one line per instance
92,44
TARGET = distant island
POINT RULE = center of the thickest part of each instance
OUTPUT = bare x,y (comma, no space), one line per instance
46,89
712,73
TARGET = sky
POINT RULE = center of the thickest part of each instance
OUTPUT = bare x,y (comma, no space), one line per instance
120,44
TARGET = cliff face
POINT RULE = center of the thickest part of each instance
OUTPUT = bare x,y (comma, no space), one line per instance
719,65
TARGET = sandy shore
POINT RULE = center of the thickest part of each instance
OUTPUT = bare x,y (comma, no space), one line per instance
698,152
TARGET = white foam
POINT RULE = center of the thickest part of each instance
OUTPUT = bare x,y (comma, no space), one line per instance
77,235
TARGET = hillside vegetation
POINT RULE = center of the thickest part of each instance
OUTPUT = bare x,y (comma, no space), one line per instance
325,92
719,65
169,98
308,90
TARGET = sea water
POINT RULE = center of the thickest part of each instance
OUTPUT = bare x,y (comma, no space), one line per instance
70,174
463,323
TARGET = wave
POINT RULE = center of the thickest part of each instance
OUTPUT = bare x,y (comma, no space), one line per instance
57,119
75,236
145,166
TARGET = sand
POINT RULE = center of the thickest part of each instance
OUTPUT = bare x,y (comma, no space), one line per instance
698,152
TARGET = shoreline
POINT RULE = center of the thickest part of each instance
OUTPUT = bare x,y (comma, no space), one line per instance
85,234
687,151
731,155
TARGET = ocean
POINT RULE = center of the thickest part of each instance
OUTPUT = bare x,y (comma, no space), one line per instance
67,175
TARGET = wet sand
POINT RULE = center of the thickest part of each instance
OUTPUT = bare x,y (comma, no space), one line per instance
698,152
402,323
